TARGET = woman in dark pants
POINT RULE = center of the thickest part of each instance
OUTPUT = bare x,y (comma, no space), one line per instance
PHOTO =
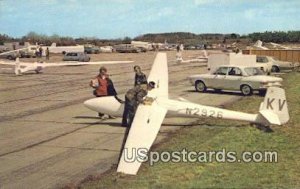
103,86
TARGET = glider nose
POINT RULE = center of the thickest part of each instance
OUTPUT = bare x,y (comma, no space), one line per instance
107,105
91,104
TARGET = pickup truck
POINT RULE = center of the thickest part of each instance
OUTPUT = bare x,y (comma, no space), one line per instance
127,48
91,50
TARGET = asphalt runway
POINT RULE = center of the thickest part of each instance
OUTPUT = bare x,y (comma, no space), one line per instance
49,139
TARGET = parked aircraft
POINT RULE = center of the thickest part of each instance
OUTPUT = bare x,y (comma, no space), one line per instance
275,45
259,44
148,118
202,58
203,55
37,67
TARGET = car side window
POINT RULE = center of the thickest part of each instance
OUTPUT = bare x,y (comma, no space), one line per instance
261,59
221,71
258,59
234,71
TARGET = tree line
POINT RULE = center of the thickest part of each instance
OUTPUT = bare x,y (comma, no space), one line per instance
187,37
34,38
276,36
268,36
173,37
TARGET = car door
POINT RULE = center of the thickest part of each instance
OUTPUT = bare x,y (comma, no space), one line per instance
262,63
233,78
217,78
70,56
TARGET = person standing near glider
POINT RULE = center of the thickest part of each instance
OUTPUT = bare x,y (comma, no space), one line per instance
140,77
133,98
103,86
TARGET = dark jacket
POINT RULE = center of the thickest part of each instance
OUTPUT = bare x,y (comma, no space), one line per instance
111,91
140,79
135,96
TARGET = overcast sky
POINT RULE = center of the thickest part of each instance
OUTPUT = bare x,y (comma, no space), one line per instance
120,18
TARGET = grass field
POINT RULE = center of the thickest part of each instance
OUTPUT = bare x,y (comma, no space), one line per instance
215,135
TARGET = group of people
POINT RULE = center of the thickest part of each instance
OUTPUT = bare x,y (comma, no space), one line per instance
39,53
103,86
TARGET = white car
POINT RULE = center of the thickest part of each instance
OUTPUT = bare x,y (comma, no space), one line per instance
264,64
276,65
76,56
238,78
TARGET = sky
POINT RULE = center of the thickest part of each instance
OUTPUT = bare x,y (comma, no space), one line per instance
109,19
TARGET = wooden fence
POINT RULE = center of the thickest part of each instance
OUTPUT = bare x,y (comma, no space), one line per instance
283,55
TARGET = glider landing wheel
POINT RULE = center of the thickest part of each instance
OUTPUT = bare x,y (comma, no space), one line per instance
246,90
200,86
262,92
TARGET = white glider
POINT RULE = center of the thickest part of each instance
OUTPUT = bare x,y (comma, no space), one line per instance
23,67
203,55
259,44
195,59
148,118
12,51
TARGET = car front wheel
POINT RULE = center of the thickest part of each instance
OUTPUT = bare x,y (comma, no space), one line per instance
200,86
246,90
275,69
10,57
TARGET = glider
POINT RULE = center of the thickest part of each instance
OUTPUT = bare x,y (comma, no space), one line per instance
23,67
195,59
148,118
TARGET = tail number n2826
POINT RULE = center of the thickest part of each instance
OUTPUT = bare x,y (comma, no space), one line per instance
204,112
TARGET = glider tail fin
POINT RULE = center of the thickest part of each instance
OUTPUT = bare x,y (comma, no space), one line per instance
274,108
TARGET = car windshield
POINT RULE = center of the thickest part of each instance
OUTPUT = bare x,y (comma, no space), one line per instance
253,71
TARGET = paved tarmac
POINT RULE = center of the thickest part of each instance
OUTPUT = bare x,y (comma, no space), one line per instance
48,138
